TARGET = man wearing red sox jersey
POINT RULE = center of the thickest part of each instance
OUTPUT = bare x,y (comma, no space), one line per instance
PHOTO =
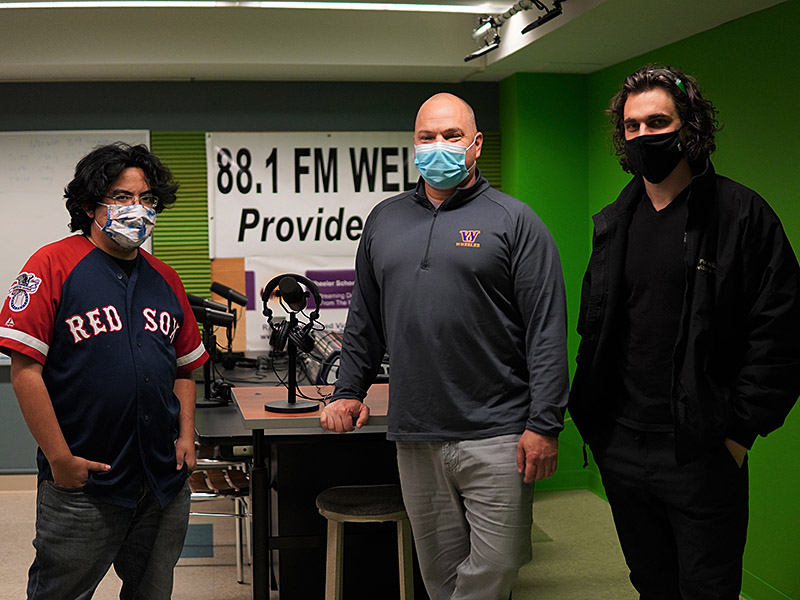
103,342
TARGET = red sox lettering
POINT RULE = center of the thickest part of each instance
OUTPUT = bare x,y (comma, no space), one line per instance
106,320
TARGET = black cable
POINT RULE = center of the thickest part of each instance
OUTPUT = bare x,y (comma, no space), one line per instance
299,366
275,361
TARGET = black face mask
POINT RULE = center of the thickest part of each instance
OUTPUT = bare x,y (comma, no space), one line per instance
655,156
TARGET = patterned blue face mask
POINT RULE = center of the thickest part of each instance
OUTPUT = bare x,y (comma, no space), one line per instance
128,226
441,164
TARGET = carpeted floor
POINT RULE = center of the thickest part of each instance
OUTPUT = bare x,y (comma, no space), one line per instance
576,554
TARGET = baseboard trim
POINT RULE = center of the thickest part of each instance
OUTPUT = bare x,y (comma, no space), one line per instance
755,588
578,479
18,483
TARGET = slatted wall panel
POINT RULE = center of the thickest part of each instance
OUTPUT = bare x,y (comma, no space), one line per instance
489,162
181,236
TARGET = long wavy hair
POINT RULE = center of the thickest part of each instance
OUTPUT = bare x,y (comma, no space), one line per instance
99,169
698,115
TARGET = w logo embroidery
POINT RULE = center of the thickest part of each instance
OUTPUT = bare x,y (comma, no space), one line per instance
468,237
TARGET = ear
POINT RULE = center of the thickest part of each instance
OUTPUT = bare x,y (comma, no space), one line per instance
90,212
478,145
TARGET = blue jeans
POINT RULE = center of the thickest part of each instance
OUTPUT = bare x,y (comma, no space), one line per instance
78,538
471,515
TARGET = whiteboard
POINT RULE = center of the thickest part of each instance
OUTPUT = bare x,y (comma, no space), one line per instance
35,167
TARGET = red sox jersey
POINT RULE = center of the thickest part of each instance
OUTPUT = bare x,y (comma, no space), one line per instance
111,346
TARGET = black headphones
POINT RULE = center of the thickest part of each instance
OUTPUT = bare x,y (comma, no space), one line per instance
301,336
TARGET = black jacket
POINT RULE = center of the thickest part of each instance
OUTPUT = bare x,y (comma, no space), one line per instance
736,363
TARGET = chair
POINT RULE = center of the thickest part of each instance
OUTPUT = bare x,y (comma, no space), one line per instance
362,504
214,479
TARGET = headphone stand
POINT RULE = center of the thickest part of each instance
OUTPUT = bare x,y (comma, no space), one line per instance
292,404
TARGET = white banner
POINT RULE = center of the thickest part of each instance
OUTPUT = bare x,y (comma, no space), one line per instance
300,194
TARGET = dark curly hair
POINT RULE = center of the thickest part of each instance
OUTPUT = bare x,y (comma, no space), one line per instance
99,169
698,115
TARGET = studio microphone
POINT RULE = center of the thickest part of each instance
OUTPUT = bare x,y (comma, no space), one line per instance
213,317
229,294
206,303
292,293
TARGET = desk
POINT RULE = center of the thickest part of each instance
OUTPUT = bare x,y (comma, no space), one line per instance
298,427
250,401
222,427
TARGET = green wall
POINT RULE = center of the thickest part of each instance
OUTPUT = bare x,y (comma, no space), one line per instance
544,127
558,158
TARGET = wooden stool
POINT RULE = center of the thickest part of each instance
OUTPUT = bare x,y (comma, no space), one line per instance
363,504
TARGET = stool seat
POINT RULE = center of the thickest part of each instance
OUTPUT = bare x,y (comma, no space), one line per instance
226,481
361,504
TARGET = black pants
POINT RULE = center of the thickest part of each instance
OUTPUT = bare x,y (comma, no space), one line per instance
682,528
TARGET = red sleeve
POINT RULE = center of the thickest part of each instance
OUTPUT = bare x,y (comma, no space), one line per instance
27,319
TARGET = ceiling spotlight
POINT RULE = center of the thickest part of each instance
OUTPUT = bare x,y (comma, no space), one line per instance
491,23
487,23
549,15
493,45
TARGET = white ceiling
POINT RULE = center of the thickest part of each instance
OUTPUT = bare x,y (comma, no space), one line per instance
287,44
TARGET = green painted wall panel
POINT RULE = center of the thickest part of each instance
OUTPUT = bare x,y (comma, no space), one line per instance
543,128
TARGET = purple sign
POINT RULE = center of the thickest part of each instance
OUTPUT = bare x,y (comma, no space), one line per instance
335,286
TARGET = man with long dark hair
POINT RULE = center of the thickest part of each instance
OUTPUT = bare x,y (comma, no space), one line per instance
103,343
690,320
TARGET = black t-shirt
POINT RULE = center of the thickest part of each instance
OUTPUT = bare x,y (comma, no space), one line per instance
126,265
655,280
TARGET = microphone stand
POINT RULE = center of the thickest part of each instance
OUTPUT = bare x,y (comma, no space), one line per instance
292,404
231,359
210,343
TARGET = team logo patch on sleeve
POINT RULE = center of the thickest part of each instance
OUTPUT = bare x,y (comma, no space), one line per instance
20,292
469,238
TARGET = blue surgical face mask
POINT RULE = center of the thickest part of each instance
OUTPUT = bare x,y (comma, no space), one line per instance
441,164
128,226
